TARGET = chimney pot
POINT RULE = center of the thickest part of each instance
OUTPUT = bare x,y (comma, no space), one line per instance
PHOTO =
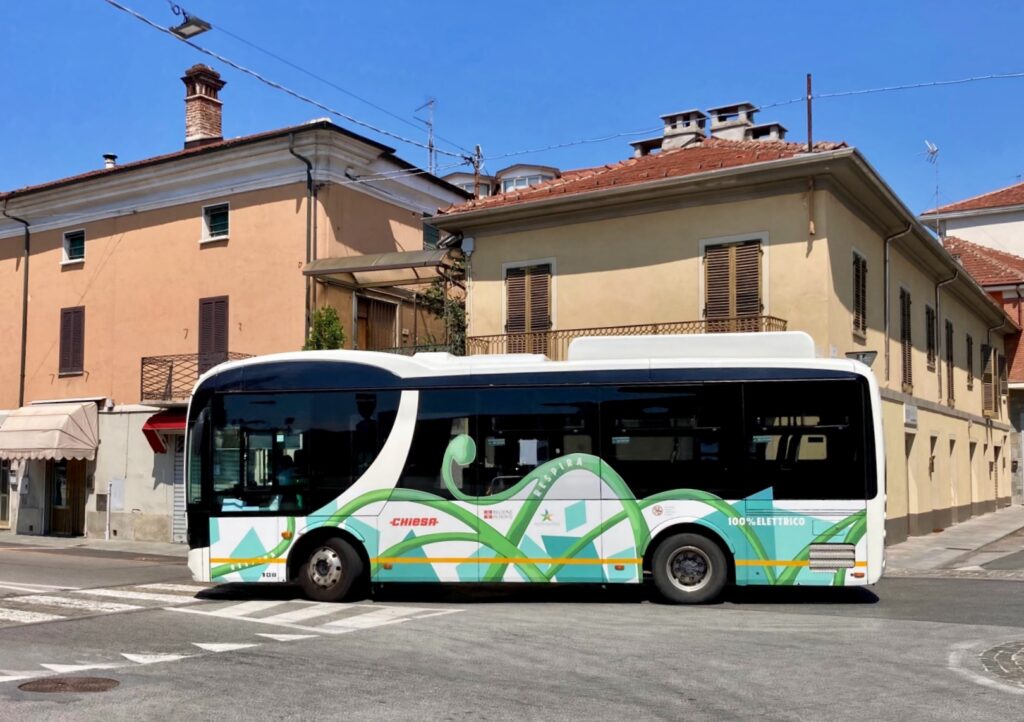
109,160
730,122
202,105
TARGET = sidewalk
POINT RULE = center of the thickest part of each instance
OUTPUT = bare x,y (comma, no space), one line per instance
954,547
114,545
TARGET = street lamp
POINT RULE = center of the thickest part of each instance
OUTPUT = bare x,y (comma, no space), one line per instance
190,26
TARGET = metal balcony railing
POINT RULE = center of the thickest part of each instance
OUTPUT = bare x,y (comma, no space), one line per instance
422,348
555,343
171,378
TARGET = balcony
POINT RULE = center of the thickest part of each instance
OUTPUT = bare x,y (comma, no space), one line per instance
171,378
555,343
422,348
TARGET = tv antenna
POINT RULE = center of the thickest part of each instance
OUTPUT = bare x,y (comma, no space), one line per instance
429,122
932,151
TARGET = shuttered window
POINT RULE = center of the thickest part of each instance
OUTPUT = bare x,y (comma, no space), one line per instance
528,307
860,296
988,380
732,283
931,333
949,362
970,363
906,341
72,340
213,332
215,221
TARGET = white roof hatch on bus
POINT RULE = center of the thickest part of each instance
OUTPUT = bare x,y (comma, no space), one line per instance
771,345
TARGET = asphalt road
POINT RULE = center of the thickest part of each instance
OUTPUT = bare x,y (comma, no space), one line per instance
908,649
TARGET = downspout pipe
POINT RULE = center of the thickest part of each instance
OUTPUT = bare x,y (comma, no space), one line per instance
938,325
24,303
309,226
888,293
994,355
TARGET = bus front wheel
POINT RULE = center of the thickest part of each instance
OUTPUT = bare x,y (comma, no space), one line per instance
689,569
331,571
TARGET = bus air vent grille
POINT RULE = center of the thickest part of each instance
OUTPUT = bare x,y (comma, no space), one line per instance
830,557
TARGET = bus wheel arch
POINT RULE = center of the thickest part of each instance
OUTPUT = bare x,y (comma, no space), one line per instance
306,544
673,529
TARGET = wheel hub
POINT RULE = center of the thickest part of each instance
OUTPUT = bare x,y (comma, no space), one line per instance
325,567
689,569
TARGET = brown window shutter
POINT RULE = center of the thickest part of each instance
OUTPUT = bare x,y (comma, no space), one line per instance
717,282
930,334
1004,383
213,332
970,362
72,340
747,266
515,300
987,380
539,283
949,362
860,271
906,339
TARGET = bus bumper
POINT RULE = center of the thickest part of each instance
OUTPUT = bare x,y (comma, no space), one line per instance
199,564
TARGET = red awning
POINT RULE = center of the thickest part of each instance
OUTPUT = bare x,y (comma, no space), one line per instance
160,424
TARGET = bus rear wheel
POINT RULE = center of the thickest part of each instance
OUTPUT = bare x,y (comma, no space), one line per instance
331,571
689,569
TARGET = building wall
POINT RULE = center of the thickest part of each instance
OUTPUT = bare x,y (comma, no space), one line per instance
648,268
352,222
1002,231
141,282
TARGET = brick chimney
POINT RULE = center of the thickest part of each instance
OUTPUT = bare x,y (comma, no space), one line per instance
202,106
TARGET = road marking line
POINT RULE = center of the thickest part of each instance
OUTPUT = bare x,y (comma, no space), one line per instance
194,589
955,664
27,587
66,668
286,637
17,615
308,611
16,677
378,617
154,658
222,646
49,601
244,608
142,596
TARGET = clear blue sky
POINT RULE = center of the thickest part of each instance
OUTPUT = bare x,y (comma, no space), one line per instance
81,78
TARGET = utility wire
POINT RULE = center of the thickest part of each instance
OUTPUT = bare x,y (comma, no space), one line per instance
330,83
273,84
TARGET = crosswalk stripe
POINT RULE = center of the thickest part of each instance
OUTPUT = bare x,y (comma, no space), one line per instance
26,587
141,596
223,646
190,588
306,611
18,615
245,608
286,637
87,604
154,658
66,668
376,618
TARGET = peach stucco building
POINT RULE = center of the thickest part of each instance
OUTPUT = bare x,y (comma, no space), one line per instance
141,275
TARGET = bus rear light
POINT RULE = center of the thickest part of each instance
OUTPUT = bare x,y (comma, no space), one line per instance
386,565
858,575
620,567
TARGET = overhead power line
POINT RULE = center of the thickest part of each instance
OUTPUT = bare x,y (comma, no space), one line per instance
274,84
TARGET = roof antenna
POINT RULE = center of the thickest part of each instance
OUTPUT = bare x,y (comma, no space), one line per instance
932,151
429,122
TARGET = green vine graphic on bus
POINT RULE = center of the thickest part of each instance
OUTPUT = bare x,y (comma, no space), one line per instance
530,493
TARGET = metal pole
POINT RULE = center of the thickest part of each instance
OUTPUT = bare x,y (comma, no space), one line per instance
810,143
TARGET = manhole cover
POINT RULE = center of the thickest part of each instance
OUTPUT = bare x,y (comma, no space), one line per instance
1005,662
69,684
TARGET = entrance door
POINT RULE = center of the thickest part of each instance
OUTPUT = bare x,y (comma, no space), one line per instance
5,495
376,324
67,497
178,523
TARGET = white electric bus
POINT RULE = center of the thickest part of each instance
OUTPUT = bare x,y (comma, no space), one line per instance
692,461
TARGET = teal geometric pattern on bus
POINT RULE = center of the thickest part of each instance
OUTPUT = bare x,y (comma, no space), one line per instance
786,538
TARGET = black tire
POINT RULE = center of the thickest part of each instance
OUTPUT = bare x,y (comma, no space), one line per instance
689,569
331,572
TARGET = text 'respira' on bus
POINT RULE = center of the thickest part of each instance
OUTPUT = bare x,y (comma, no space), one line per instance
694,461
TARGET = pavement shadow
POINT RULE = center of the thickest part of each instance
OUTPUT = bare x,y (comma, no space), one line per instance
799,595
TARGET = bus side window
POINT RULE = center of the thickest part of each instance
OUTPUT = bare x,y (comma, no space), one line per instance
660,438
804,438
443,414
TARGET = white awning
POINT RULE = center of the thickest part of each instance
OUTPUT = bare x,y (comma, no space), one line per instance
50,431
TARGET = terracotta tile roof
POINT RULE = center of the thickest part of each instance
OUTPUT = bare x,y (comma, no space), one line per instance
711,154
1001,198
988,266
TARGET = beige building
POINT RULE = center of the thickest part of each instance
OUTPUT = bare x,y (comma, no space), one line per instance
741,231
122,284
